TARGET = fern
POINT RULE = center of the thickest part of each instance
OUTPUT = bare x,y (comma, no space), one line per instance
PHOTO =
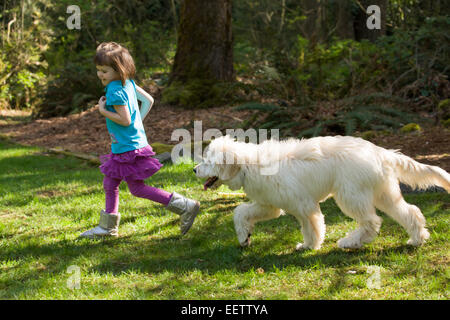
350,126
395,113
257,106
275,116
362,118
369,98
288,125
312,132
359,117
268,125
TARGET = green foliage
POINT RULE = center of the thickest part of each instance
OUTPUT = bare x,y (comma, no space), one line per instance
332,71
349,119
446,123
417,62
144,27
411,14
46,66
411,62
57,76
410,127
443,111
23,43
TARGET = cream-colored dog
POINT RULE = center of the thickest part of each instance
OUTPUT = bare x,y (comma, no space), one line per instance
296,175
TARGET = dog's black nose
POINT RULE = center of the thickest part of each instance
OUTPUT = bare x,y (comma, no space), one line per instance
195,170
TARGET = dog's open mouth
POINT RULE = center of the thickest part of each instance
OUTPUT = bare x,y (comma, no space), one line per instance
210,182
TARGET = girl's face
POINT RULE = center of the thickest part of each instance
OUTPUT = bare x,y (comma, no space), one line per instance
106,74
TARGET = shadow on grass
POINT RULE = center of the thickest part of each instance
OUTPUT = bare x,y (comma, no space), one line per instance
209,250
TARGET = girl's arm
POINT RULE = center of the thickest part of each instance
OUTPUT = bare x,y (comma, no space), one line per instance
122,116
147,101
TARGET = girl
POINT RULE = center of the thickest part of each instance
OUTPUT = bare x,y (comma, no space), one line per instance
131,157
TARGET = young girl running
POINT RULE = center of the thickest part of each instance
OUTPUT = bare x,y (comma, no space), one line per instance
131,157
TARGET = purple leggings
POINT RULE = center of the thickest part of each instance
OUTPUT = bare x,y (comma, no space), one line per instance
137,188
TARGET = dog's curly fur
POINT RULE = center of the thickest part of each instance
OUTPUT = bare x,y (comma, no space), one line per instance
296,175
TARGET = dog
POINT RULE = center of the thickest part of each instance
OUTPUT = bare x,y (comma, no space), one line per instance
294,176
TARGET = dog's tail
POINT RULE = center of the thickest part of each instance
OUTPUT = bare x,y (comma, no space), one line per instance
418,175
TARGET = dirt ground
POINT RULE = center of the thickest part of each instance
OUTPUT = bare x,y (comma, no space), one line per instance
86,132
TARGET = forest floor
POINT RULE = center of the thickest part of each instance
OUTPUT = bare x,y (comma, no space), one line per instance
86,132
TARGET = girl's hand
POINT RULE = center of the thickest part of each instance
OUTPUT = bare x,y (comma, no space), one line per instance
121,116
102,105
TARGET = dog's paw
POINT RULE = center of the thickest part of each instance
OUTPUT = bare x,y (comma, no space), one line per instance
414,243
420,239
247,242
301,246
349,243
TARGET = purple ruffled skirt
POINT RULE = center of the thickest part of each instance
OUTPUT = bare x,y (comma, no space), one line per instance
132,165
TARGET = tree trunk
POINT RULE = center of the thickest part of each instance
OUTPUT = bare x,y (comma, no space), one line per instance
345,20
205,42
361,29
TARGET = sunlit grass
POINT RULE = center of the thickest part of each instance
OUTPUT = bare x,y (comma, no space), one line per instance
47,201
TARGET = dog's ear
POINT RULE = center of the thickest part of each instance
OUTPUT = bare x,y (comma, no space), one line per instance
228,171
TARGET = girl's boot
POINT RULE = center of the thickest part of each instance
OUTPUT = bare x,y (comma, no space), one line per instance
107,227
186,208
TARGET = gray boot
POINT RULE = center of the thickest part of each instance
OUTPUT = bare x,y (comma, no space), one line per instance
107,227
186,208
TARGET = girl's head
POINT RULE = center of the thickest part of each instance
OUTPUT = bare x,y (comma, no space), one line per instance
113,62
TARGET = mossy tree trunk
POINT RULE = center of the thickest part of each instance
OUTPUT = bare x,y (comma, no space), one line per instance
205,42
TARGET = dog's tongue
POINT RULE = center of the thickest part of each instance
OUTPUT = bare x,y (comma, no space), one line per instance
209,183
206,184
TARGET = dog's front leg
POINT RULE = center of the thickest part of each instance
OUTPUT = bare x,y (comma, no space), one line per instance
242,223
245,217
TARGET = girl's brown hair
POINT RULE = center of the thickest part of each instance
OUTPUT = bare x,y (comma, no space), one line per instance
117,57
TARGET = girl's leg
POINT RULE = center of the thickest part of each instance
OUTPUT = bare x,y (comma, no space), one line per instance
186,208
139,189
109,218
111,187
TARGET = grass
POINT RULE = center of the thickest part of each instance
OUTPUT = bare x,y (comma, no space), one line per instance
47,201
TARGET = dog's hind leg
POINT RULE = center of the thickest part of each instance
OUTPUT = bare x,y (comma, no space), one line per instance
247,214
359,206
313,229
390,201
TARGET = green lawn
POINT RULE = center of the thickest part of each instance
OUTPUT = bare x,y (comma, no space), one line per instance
47,201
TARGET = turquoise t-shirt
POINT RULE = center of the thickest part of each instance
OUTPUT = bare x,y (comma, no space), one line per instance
124,138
